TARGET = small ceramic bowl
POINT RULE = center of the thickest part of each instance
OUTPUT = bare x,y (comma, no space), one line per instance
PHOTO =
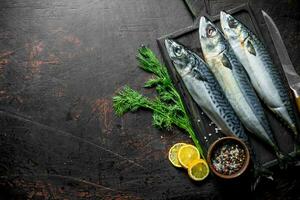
215,157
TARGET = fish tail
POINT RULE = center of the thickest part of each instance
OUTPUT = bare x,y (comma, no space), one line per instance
259,172
283,159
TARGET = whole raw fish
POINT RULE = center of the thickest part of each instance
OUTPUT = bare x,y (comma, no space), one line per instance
204,89
235,83
256,60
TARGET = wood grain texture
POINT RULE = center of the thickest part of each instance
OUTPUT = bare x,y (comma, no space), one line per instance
60,64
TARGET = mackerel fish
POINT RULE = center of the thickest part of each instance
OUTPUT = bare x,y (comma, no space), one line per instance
256,60
204,89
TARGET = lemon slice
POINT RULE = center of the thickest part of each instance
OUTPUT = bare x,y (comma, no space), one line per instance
187,154
198,170
173,154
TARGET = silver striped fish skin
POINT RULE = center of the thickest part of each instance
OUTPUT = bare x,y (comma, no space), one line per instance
256,60
234,81
204,89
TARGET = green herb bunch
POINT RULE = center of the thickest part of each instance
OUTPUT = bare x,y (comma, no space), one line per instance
168,109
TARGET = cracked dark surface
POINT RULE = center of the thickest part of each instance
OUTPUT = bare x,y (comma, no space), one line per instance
60,64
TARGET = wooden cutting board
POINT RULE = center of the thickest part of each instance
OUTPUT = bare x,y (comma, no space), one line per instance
206,130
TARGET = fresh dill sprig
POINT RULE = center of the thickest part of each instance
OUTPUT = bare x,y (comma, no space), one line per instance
168,108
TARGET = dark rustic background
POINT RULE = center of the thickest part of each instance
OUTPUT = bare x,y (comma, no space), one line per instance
61,62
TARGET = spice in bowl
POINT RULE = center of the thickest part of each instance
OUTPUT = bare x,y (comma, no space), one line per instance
228,157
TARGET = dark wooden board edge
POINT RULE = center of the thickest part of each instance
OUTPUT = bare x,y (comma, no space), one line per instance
196,7
192,108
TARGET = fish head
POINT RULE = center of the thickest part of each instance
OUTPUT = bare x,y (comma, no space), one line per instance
232,28
180,56
211,38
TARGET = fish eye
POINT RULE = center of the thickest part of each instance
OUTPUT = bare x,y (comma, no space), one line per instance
178,51
210,31
232,23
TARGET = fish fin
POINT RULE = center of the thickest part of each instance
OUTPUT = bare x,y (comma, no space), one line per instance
260,173
198,75
250,48
261,180
225,62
